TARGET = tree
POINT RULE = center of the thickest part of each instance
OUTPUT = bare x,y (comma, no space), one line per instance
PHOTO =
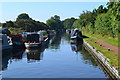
55,23
76,24
68,23
86,18
23,16
56,17
9,24
101,9
0,24
110,5
25,23
31,25
52,24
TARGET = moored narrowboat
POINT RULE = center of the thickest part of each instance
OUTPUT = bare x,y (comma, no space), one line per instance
32,40
76,37
17,40
4,45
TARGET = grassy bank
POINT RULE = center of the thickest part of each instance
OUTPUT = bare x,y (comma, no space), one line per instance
113,58
110,40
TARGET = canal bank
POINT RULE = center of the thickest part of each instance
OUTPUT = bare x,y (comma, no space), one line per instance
103,61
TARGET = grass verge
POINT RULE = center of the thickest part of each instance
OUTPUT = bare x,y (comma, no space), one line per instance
113,58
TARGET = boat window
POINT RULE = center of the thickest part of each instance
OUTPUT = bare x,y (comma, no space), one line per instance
33,38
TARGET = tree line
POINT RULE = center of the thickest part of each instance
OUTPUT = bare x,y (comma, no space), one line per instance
103,20
25,23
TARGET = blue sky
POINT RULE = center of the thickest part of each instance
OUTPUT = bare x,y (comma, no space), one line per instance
42,11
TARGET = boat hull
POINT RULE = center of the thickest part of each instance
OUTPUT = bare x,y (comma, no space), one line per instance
76,40
18,45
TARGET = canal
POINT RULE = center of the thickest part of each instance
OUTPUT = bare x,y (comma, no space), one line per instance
57,59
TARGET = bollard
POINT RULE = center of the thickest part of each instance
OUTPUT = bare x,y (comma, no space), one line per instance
108,49
100,44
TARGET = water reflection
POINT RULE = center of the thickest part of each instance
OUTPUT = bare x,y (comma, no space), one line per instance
16,54
8,57
61,62
34,55
76,47
79,49
5,60
55,44
88,59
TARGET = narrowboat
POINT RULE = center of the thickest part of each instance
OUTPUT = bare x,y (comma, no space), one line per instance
17,40
5,31
33,40
76,37
4,45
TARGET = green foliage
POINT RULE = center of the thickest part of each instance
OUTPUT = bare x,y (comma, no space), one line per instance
86,18
25,23
23,16
52,24
76,24
101,9
8,24
55,23
103,24
0,24
56,17
31,25
68,23
104,21
44,33
16,30
108,23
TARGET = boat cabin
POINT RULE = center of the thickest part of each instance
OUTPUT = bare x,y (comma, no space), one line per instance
4,31
32,38
17,38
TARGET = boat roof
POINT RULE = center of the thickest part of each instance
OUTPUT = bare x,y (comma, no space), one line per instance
33,34
3,29
11,35
2,35
73,37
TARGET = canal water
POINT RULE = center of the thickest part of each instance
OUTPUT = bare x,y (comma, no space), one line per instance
57,59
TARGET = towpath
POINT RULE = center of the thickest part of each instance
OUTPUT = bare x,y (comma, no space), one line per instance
106,46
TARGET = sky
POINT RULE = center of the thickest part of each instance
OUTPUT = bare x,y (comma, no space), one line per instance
42,11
